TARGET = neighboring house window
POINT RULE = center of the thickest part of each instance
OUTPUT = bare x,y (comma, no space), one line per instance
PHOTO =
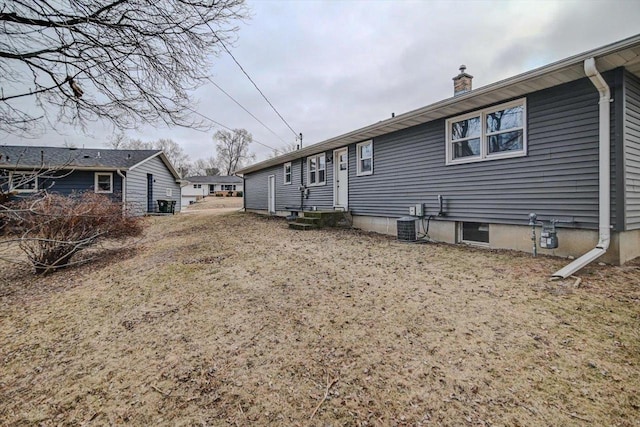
287,173
197,185
104,183
317,169
228,187
365,158
24,182
169,192
493,133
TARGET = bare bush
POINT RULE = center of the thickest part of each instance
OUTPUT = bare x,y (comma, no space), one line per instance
50,229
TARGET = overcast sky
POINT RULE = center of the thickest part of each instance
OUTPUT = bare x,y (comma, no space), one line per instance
331,67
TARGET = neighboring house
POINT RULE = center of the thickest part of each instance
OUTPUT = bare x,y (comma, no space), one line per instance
197,187
138,178
530,143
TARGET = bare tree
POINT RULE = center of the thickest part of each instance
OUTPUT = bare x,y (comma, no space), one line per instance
176,155
117,141
206,167
284,150
69,144
123,61
233,149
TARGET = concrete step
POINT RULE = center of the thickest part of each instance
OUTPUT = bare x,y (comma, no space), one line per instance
302,227
307,220
320,214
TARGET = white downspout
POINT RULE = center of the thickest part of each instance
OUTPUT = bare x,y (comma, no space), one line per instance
604,171
124,190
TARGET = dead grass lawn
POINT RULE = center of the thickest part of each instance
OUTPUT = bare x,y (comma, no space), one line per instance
236,320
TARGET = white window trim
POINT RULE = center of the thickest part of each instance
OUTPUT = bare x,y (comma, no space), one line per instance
95,185
317,157
284,170
359,171
484,149
22,190
473,242
336,166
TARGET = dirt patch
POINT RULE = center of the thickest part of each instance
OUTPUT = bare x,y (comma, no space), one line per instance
212,202
237,320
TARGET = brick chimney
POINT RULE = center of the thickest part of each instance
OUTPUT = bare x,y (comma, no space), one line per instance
462,82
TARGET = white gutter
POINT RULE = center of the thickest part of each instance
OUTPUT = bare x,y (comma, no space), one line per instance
124,190
604,171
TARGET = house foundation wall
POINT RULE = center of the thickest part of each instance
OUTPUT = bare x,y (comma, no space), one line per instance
266,212
629,244
572,242
624,246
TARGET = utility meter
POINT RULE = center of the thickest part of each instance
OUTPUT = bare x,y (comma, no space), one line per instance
549,236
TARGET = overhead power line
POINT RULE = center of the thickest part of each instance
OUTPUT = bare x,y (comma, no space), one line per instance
226,127
250,79
256,86
248,112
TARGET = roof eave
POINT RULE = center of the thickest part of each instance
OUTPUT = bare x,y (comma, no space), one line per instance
563,71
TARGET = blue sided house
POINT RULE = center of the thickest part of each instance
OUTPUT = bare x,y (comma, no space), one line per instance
138,178
561,142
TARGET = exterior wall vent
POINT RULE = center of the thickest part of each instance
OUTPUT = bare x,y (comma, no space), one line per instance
407,229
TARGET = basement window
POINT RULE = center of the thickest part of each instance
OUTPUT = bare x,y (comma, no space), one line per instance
492,133
475,233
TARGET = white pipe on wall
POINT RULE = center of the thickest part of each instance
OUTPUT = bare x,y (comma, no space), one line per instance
124,190
604,199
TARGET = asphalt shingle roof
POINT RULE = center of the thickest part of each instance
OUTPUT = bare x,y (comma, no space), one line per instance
15,156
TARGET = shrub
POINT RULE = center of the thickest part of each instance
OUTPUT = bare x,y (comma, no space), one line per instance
51,229
239,194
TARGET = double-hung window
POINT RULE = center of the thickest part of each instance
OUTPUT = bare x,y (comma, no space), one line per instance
103,182
24,182
365,158
492,133
316,170
287,173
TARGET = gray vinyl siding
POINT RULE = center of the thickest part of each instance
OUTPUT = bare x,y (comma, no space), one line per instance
79,182
321,196
74,182
255,188
137,185
557,178
288,196
632,151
